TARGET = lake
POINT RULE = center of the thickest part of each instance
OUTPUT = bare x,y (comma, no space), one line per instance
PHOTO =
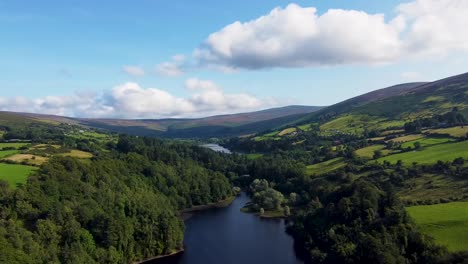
227,235
217,148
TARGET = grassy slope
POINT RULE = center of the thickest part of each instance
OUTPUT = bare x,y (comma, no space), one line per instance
14,174
368,152
7,153
430,155
326,166
447,223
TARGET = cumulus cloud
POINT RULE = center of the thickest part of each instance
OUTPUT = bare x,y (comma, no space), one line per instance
133,70
172,68
298,36
130,100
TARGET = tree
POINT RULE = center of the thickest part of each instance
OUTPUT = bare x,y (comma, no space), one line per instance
417,145
287,211
377,154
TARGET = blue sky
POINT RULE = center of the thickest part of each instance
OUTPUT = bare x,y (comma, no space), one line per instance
54,53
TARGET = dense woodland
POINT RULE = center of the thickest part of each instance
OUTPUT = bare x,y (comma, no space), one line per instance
119,207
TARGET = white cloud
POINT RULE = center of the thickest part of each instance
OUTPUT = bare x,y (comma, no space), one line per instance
172,68
411,76
130,100
298,36
133,70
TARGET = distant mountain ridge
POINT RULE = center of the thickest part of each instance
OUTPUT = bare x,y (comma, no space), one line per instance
213,126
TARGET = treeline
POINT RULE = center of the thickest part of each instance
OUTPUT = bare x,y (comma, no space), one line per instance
360,223
119,207
453,118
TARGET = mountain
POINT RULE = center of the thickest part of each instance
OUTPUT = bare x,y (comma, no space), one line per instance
395,105
214,126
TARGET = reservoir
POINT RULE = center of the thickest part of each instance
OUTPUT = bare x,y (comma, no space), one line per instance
227,235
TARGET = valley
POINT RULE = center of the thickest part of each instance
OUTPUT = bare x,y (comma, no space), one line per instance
349,179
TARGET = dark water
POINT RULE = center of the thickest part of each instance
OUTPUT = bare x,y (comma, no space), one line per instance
226,235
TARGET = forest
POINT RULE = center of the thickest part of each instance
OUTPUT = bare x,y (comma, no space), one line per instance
120,206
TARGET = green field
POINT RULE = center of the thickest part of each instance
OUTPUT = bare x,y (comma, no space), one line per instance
425,142
306,127
253,156
13,173
12,145
407,138
430,155
368,152
326,166
287,131
7,153
447,223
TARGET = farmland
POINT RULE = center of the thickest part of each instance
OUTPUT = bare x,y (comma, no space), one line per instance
7,153
14,173
447,223
12,145
452,131
425,142
368,152
326,166
432,154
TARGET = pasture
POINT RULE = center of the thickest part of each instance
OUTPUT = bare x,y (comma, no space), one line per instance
27,158
13,145
326,166
427,141
7,153
407,138
77,154
14,173
447,223
287,131
432,154
368,152
451,131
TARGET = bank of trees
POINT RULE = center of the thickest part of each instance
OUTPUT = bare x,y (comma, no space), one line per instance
360,223
118,207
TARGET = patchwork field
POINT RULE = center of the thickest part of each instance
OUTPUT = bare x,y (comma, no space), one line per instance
27,158
326,166
287,131
13,145
430,155
7,153
408,138
452,131
77,154
447,223
427,141
14,174
368,152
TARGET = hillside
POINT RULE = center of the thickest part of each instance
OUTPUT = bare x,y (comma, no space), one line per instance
393,106
214,126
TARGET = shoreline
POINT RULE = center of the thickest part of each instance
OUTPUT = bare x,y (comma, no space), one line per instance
187,213
177,252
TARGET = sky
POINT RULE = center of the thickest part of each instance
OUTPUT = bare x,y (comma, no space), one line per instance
157,58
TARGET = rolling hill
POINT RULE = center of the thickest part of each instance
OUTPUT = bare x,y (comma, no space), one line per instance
214,126
393,106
